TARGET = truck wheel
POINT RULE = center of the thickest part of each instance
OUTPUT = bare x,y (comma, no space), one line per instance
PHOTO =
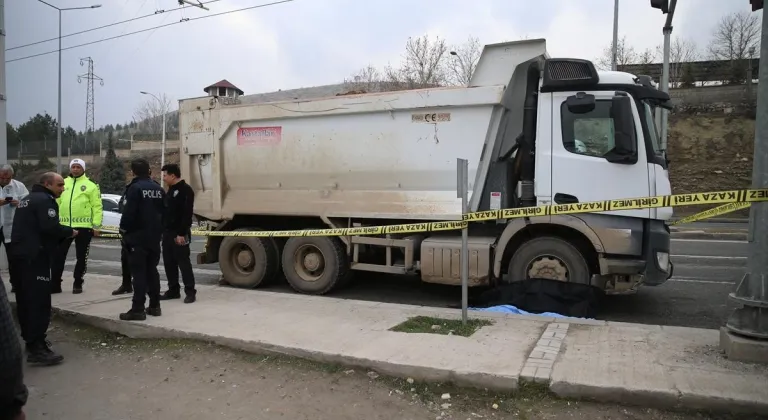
248,262
548,258
314,265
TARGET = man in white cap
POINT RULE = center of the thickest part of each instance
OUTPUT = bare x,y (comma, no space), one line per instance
79,208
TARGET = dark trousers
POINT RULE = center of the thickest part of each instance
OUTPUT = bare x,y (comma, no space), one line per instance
175,259
13,269
125,266
33,298
82,246
146,280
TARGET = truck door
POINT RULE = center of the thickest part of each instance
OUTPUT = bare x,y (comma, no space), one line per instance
580,173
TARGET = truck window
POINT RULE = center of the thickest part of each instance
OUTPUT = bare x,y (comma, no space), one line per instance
589,134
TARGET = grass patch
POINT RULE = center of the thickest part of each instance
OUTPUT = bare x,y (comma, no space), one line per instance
426,324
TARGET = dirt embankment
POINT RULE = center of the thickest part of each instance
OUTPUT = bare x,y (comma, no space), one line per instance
710,152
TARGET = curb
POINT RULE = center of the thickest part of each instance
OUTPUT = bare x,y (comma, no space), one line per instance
538,368
498,382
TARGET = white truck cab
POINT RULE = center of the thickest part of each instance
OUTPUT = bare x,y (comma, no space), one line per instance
535,130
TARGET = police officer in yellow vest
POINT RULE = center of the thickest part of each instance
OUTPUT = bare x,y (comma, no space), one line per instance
79,208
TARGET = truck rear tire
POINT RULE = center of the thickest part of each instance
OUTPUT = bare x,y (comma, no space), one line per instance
314,265
248,262
548,257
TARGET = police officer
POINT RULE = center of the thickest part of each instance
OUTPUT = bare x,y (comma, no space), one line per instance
35,237
141,226
127,285
177,221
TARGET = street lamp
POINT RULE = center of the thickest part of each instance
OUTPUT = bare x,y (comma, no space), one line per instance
58,128
162,147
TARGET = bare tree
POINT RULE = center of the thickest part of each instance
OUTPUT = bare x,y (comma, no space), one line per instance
149,115
367,79
625,54
422,65
732,39
681,51
463,62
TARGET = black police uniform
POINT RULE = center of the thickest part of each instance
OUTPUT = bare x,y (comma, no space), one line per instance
141,227
125,268
177,221
35,237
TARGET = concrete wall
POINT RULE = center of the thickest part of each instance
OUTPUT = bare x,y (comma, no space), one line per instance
140,146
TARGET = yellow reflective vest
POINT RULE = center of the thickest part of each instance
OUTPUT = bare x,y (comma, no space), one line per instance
80,203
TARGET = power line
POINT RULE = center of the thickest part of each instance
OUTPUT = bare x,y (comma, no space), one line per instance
158,12
150,29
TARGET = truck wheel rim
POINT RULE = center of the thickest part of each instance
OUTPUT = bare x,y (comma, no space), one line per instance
244,259
309,262
548,267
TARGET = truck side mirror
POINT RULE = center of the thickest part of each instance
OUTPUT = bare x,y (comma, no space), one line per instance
625,140
580,103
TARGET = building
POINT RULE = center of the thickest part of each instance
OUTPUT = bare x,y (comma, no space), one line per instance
223,88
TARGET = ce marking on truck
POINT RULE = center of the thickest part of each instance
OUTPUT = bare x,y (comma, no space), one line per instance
431,117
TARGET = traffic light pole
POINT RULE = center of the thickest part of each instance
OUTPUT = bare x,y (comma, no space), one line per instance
748,325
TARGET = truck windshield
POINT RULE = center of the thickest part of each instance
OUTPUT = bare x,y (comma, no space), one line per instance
652,129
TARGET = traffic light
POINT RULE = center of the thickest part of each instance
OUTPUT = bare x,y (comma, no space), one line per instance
756,4
664,5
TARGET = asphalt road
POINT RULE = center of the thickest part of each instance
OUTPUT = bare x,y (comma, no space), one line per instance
705,272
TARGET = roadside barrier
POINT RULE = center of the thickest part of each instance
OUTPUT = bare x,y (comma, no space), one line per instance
731,200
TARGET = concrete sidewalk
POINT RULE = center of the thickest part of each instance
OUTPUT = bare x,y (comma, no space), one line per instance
648,365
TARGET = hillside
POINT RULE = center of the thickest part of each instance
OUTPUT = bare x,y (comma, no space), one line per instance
710,152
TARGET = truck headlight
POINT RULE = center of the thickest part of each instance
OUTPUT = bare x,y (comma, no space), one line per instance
662,258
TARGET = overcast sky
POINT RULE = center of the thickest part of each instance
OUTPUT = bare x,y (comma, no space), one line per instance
296,44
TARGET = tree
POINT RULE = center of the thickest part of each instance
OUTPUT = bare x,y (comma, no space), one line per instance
367,79
462,64
625,54
150,114
687,80
12,134
732,39
645,59
422,64
112,180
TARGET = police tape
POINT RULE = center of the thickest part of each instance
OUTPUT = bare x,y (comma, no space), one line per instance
713,212
731,197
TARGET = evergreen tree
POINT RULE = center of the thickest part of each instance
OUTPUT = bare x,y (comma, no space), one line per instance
688,80
112,180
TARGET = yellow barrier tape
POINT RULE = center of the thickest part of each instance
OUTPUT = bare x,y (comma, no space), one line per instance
717,211
731,197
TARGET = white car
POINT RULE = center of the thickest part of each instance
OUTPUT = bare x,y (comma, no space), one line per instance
110,210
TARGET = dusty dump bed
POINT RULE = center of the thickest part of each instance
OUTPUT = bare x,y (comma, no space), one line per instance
380,155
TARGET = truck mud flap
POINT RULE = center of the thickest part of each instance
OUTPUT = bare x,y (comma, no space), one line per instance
544,295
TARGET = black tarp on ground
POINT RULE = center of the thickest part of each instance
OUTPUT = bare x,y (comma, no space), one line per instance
543,295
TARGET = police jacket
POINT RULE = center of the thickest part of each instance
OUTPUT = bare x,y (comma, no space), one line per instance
80,203
141,222
178,208
36,225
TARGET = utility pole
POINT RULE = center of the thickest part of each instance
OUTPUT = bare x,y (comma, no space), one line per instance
615,47
3,98
58,122
89,100
745,336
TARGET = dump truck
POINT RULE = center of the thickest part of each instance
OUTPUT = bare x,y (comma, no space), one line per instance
535,131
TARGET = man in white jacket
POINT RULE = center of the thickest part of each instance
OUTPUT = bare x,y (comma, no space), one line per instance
11,192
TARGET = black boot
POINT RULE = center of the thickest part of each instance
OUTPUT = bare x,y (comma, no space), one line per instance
56,288
134,315
190,297
170,294
77,288
42,354
154,310
123,290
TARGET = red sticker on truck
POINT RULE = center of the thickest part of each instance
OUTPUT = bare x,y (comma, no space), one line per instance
259,136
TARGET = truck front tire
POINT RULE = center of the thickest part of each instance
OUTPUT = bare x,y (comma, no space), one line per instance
314,265
548,257
248,262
